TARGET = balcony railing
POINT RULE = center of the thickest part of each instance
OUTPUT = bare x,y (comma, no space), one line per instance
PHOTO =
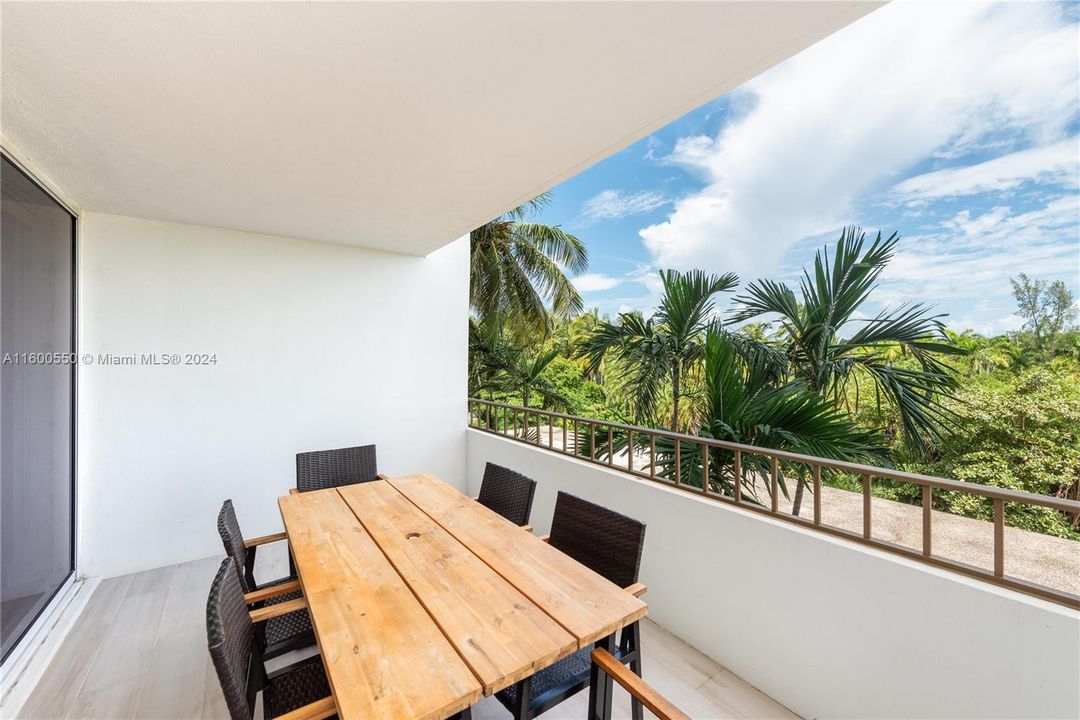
738,471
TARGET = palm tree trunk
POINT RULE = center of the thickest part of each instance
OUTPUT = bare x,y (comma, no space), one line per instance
796,505
675,397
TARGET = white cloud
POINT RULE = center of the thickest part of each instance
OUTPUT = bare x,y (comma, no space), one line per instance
967,225
653,145
983,326
1057,164
970,260
641,290
848,116
595,282
692,152
614,204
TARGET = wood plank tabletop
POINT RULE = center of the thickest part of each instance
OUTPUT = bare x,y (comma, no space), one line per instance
384,655
583,602
501,635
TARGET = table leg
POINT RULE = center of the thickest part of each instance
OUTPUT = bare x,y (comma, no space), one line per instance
630,647
601,685
521,708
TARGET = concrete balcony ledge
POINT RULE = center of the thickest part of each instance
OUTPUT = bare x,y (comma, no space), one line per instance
826,627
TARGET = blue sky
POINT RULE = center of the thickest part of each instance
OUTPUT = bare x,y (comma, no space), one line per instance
954,124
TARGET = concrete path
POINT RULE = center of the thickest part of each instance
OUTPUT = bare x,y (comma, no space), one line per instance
1030,556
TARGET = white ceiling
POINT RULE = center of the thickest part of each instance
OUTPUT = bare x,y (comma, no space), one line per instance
391,126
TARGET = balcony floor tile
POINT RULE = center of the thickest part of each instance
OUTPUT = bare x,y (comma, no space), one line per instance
138,652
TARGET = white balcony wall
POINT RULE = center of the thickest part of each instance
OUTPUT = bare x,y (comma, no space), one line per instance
828,628
317,346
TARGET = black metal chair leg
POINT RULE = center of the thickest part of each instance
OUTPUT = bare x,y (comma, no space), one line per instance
521,707
601,685
249,567
633,635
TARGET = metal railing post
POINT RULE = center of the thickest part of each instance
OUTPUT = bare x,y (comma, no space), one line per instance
817,494
927,509
865,505
491,417
999,537
774,473
738,475
704,468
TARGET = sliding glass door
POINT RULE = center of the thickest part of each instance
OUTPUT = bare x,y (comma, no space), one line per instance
37,386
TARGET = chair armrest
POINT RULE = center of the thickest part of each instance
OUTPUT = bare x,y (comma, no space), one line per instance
545,538
637,589
269,611
272,591
658,704
255,542
382,476
527,528
294,491
318,710
475,498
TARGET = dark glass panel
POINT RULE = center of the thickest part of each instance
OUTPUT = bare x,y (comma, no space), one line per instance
36,430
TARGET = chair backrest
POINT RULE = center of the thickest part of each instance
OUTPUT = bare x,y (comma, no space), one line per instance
230,636
322,469
601,539
508,493
233,540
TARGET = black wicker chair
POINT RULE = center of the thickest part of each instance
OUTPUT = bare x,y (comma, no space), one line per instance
279,634
323,469
610,544
508,493
231,638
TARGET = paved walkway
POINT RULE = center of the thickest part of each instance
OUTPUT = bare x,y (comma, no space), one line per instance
1030,556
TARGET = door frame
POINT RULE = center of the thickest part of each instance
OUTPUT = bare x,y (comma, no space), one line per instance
19,653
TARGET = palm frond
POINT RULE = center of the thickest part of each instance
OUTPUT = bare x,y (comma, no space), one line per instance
510,252
764,297
554,242
916,395
548,279
607,337
687,301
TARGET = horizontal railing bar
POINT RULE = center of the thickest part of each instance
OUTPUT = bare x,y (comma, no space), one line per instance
1069,506
1006,581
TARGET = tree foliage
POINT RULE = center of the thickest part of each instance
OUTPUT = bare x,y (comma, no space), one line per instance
806,372
656,352
1020,432
744,403
518,270
1047,309
830,347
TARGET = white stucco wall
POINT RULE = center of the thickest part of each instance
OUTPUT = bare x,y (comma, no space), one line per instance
828,628
318,346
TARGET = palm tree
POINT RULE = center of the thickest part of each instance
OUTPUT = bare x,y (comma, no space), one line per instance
525,375
489,357
985,354
743,403
662,347
497,366
518,267
1020,356
826,362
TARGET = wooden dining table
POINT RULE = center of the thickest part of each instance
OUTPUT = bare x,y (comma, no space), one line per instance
424,601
